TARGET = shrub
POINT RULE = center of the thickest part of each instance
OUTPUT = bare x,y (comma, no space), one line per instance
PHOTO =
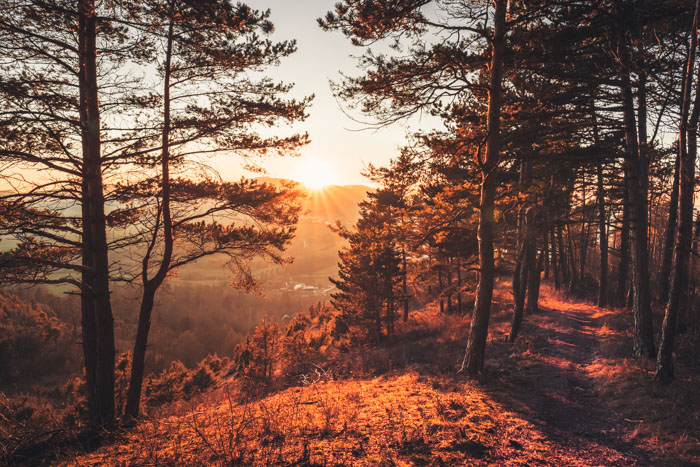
256,357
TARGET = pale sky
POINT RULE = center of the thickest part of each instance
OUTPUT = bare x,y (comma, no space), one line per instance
321,56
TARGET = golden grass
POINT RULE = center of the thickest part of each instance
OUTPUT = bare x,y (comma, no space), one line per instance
405,404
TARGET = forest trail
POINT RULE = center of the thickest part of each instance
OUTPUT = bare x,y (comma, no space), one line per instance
563,403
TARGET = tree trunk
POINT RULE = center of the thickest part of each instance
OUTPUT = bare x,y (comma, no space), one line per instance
603,241
95,222
583,256
623,268
563,265
449,286
473,361
573,283
150,286
638,164
670,236
533,294
555,261
688,152
138,361
519,287
679,289
391,313
459,283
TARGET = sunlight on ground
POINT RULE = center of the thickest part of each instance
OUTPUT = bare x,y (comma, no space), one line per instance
410,407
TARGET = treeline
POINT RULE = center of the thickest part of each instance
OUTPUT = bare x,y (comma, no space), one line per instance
568,149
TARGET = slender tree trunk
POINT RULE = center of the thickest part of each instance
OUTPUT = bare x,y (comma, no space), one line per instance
625,258
138,361
688,153
670,235
519,287
679,289
87,298
449,286
391,313
531,273
89,332
95,223
573,284
584,252
638,164
533,294
563,265
555,261
473,361
459,283
602,223
526,272
603,241
150,286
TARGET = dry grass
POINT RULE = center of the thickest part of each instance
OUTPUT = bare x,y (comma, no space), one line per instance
665,419
404,403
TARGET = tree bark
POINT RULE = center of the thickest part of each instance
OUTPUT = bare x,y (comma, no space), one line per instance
473,361
526,275
584,252
449,286
638,164
573,283
555,261
563,265
94,225
624,265
687,143
519,287
459,283
533,294
670,235
603,241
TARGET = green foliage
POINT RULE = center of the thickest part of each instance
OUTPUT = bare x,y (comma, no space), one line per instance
369,269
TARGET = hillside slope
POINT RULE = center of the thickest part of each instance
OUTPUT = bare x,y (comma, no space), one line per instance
564,394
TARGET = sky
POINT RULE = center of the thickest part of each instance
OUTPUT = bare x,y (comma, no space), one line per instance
340,148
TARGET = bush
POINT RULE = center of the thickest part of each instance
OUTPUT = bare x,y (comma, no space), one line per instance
36,346
178,383
256,357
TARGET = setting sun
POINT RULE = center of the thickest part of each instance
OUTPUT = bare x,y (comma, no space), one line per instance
316,174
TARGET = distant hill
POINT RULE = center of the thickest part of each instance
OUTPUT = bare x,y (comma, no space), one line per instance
334,202
314,249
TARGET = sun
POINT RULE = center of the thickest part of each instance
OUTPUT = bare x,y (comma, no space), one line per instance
316,173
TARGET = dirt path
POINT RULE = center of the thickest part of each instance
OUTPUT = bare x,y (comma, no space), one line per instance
563,401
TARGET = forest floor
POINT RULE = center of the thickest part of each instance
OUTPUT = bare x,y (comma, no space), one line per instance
566,393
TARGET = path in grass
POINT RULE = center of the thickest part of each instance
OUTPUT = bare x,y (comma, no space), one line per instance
562,402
